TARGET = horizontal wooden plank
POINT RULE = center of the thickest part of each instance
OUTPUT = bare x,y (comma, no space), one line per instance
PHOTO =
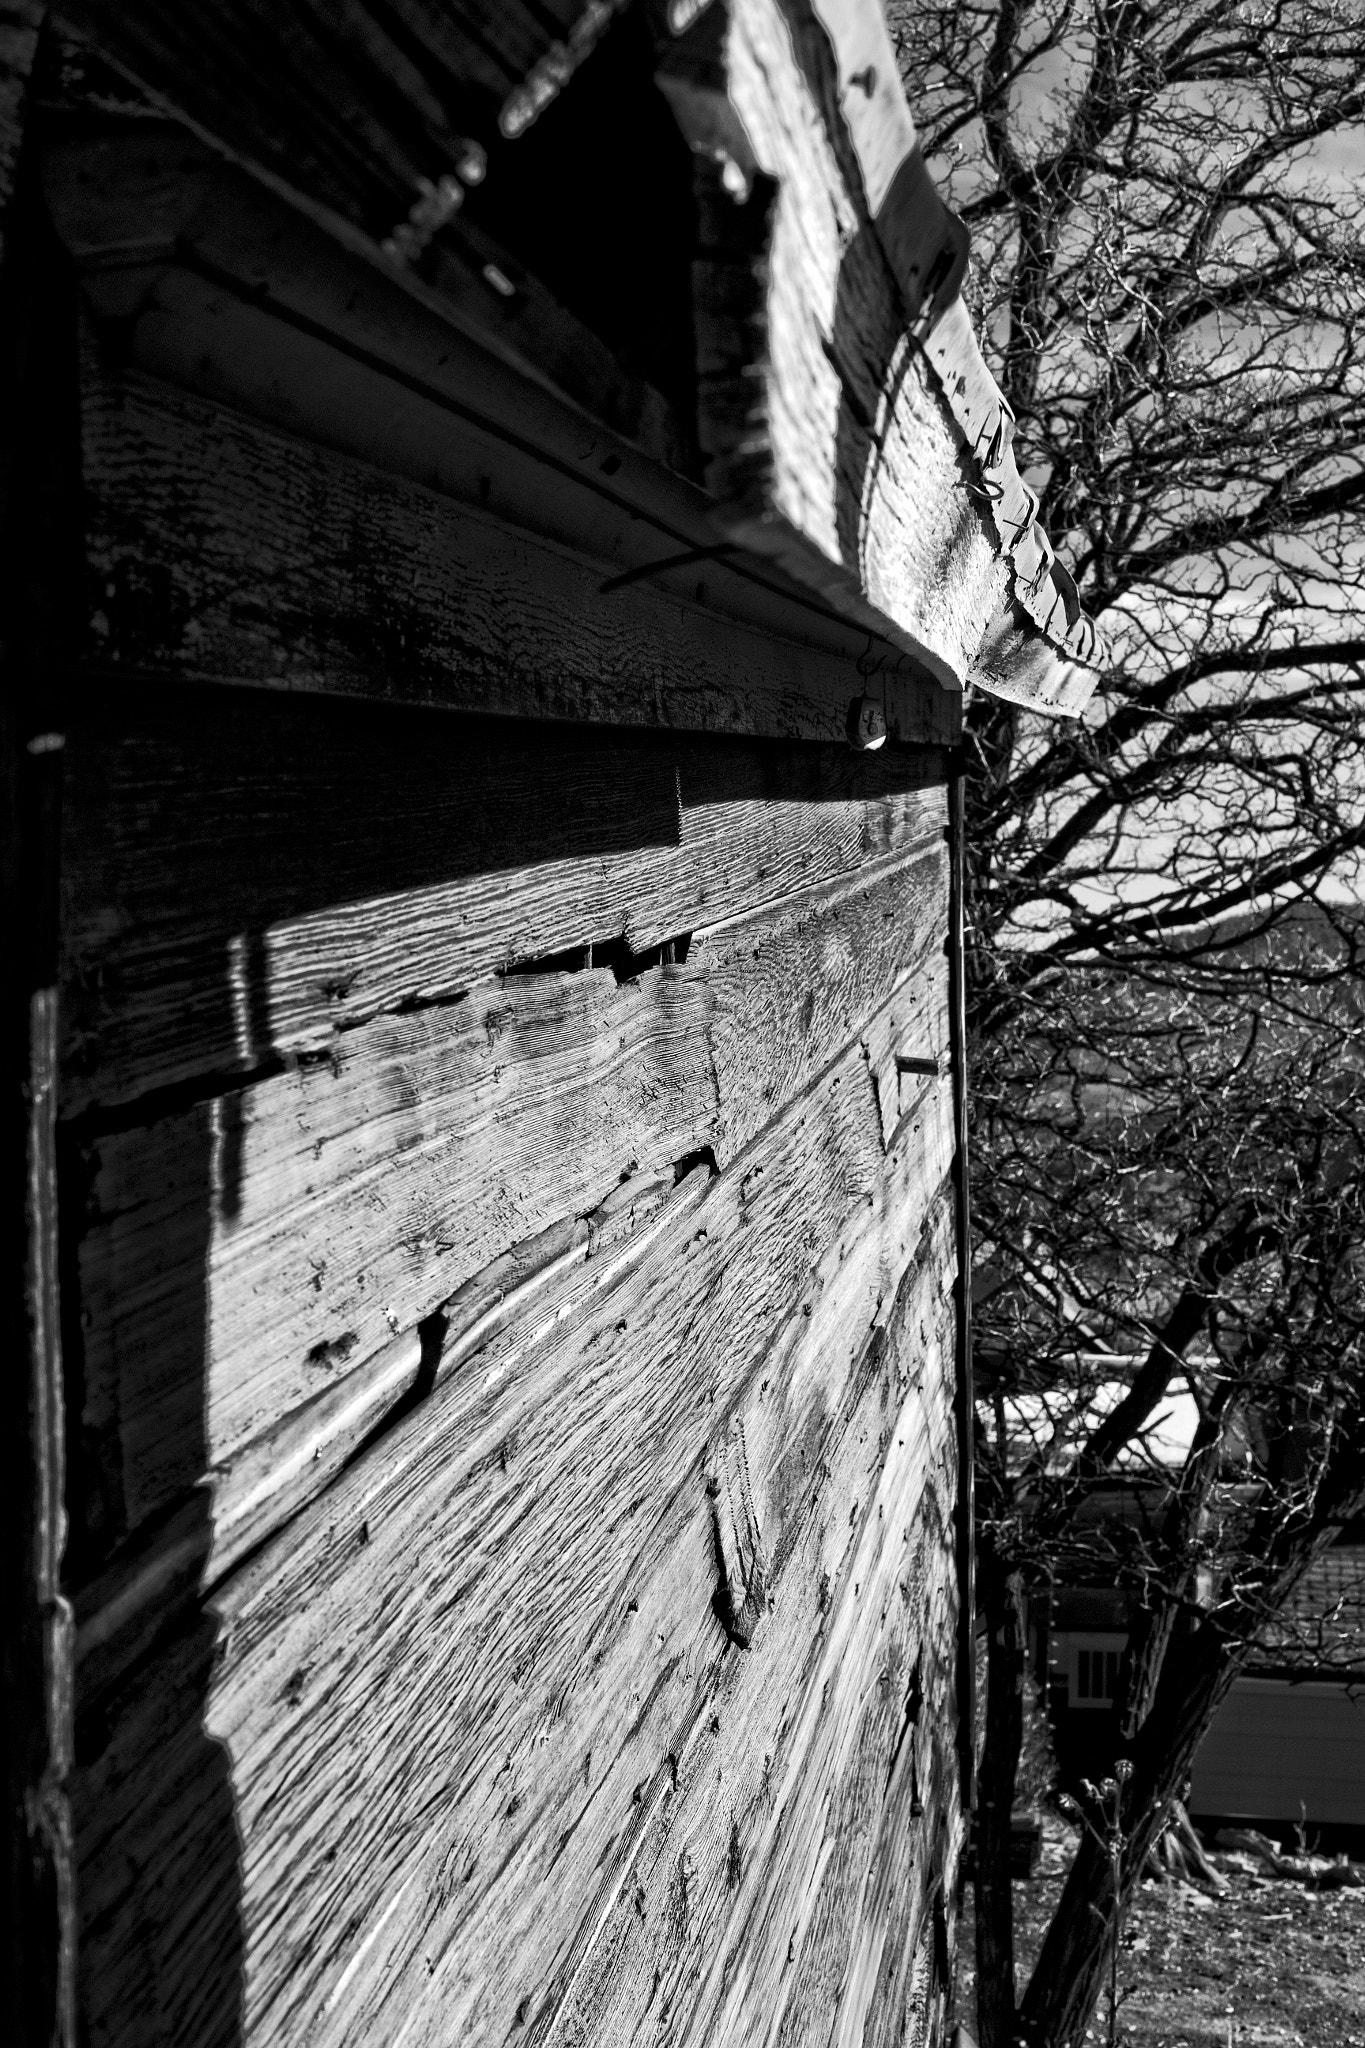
518,1582
261,1252
244,877
223,549
201,1533
814,1797
832,447
811,1422
212,283
854,430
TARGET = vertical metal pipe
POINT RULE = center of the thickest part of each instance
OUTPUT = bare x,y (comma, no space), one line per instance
966,1510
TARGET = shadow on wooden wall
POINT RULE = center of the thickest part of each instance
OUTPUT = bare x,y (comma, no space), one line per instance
256,884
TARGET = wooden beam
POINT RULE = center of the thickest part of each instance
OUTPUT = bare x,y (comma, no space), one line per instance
854,430
39,501
211,283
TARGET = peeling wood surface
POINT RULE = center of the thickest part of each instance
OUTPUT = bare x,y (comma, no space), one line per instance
348,1199
551,1379
527,1564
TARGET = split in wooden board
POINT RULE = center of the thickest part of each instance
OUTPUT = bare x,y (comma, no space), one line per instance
519,1580
244,877
255,1270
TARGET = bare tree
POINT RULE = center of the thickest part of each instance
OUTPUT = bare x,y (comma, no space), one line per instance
1169,271
1175,1193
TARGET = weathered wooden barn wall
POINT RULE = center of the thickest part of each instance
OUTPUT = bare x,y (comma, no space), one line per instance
514,1213
569,1357
492,1143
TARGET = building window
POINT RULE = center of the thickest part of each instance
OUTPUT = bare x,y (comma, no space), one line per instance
1097,1675
1085,1667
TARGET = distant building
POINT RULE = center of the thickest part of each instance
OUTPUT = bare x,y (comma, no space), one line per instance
1289,1741
1288,1744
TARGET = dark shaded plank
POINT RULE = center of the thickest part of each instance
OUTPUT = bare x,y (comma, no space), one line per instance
243,878
328,99
39,527
518,1583
214,283
223,549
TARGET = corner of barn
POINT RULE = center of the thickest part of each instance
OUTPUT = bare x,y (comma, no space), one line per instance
503,503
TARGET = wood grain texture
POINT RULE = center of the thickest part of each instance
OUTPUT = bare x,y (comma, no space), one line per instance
507,1119
831,445
517,1584
778,1894
262,1251
219,549
854,429
214,284
335,102
244,878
